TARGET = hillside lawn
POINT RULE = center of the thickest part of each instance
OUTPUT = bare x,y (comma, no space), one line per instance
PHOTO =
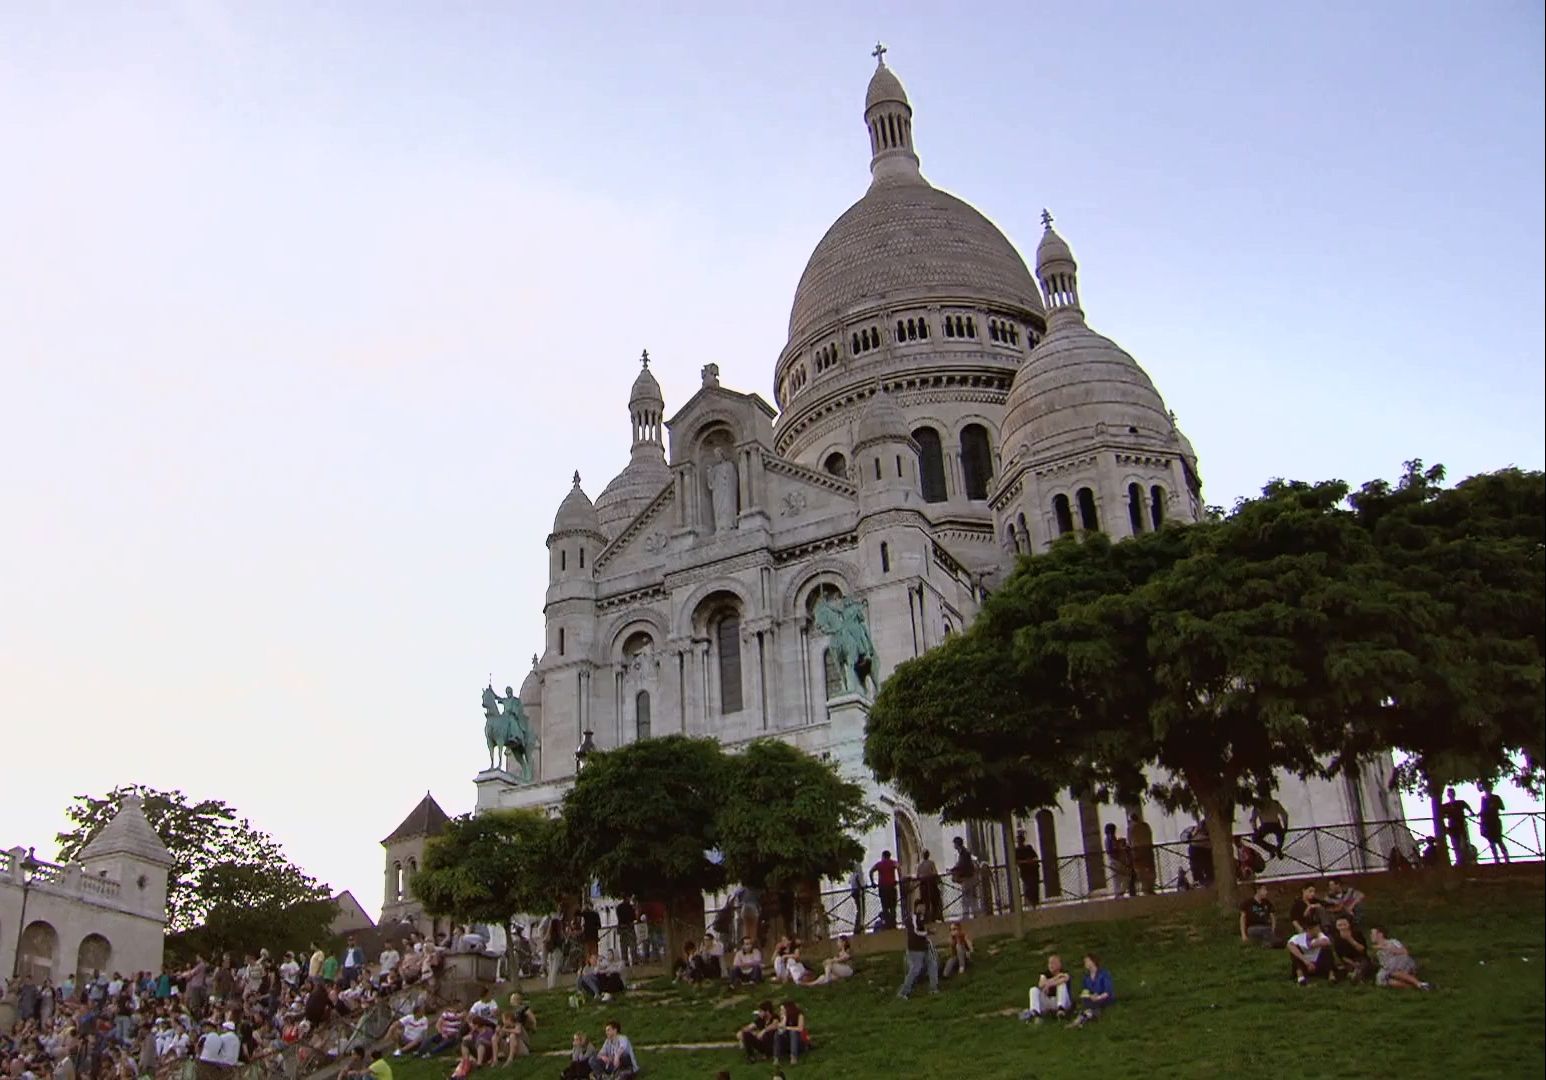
1192,1002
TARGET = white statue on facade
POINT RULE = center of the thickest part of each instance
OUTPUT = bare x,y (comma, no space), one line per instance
723,484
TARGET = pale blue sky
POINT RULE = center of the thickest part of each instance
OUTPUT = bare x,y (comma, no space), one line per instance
306,316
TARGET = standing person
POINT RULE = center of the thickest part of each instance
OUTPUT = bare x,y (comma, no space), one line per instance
883,875
553,948
1199,852
1030,870
1258,923
314,964
590,931
1491,819
1098,993
928,887
627,941
964,874
921,957
1120,858
856,894
1454,812
354,961
196,981
1268,818
1140,845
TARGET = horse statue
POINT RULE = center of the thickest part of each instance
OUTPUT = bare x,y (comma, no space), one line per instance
505,730
843,621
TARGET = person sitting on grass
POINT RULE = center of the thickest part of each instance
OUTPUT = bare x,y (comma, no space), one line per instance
1257,921
960,951
580,1053
510,1038
790,1037
1307,912
1310,955
746,965
523,1013
1098,993
757,1037
781,957
711,956
448,1030
1342,899
1051,993
795,970
1397,968
687,969
616,1056
354,1067
838,966
410,1030
1351,951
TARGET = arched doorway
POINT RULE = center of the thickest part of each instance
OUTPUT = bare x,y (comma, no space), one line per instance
909,850
39,950
92,958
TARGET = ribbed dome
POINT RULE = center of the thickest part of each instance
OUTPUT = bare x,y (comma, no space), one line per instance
646,390
1076,386
531,688
906,241
576,512
882,419
884,86
632,489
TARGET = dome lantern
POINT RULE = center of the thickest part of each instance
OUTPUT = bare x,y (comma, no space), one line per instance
1059,277
646,408
889,117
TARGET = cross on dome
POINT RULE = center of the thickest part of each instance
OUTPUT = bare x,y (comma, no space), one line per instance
879,54
577,478
1046,217
645,359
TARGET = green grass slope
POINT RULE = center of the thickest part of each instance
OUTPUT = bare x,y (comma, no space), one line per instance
1193,1002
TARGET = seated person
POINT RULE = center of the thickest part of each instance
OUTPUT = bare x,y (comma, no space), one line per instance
609,975
510,1038
449,1029
960,951
687,969
1342,899
1051,993
795,970
1257,922
840,965
1307,912
580,1053
478,1043
523,1012
1310,954
354,1067
616,1056
757,1036
791,1036
1397,968
746,964
1098,993
1350,950
409,1031
711,957
780,958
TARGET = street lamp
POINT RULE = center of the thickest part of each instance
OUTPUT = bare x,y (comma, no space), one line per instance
29,866
586,748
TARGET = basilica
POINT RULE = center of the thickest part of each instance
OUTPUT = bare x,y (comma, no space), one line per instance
938,411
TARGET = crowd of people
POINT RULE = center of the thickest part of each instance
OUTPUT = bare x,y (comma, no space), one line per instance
1329,940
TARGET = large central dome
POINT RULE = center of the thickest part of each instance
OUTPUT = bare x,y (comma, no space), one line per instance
907,240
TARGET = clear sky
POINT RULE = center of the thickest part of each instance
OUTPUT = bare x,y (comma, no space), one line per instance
308,312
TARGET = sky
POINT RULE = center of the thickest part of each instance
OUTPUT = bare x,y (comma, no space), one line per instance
308,312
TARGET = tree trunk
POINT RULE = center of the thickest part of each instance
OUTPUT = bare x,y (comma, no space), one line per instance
1219,816
1012,868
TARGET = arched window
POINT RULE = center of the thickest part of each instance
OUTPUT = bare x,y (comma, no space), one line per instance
877,468
976,461
950,330
1047,834
1089,520
931,464
856,344
560,641
833,674
971,327
727,640
1135,508
582,558
397,881
92,957
641,714
836,465
1013,537
885,558
901,330
563,560
923,329
1157,505
1064,514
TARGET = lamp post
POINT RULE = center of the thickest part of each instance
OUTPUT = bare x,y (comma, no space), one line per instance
29,866
583,751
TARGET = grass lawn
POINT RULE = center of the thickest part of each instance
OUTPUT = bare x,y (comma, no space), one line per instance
1192,1002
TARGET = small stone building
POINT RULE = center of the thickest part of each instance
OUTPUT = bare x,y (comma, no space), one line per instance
404,850
105,912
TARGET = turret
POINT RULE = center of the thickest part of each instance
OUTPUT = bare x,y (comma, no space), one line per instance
128,851
572,548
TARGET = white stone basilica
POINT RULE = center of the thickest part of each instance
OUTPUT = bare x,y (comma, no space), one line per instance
938,412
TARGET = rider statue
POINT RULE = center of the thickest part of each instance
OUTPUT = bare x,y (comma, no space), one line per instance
843,621
505,730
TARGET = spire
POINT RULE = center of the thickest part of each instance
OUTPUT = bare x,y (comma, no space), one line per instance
889,117
647,409
1059,277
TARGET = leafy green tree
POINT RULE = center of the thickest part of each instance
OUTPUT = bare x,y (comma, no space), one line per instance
252,906
788,819
491,867
642,820
201,836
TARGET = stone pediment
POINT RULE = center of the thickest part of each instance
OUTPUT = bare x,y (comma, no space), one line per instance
645,538
797,493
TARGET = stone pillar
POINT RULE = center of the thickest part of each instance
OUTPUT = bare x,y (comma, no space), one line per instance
848,714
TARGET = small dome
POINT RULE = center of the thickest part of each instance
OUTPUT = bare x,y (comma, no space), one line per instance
646,390
632,489
575,513
1053,248
884,86
1078,387
531,688
882,419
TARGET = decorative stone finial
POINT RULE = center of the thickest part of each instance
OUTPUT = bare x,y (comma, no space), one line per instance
533,659
710,375
644,359
879,54
1046,217
577,478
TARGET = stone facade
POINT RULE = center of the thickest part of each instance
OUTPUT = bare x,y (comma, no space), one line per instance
106,912
939,411
404,851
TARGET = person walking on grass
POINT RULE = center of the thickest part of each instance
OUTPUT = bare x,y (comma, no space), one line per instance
921,957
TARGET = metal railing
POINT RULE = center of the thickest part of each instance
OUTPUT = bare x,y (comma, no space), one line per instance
1316,851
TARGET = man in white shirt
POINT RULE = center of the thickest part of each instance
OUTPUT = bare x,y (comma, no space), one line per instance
390,958
220,1048
290,971
486,1008
1309,951
1050,995
411,1028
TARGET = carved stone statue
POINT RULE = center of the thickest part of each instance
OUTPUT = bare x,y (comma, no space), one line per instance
724,484
506,730
848,636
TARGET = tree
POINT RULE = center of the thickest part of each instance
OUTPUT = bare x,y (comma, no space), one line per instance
788,819
1473,708
491,867
258,905
201,835
642,820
